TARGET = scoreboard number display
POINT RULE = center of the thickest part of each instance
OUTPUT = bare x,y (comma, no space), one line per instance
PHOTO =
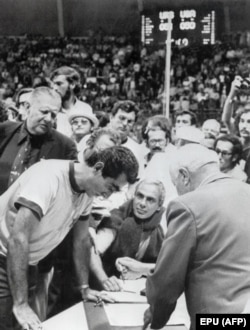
188,25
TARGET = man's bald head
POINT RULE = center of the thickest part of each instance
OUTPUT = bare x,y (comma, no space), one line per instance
191,165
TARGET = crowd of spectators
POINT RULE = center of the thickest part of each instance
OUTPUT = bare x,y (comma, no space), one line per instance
113,68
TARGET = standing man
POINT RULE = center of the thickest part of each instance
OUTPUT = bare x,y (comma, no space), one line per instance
206,250
122,120
23,144
38,211
241,123
229,150
185,118
66,81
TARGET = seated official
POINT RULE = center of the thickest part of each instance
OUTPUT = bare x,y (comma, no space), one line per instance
135,231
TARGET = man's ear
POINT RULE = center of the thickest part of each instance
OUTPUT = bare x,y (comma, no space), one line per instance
234,158
72,86
185,175
99,166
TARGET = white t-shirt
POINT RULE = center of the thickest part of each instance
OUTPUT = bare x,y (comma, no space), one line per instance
48,188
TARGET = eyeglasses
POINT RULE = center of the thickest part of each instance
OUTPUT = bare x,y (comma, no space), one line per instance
223,152
80,121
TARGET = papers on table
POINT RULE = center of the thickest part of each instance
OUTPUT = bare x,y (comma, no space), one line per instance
75,316
135,286
131,314
126,297
126,315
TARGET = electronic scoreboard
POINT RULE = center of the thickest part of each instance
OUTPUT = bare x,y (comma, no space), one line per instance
189,25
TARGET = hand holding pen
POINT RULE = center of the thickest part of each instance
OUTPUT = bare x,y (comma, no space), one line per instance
121,268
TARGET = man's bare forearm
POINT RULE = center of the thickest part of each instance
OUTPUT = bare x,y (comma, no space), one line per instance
81,253
17,267
96,266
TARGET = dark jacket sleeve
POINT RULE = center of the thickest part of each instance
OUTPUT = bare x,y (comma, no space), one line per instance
117,216
71,151
63,147
167,282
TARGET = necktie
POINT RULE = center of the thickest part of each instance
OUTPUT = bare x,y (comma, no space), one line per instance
21,162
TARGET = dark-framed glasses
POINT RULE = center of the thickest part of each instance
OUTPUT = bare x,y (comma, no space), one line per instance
224,153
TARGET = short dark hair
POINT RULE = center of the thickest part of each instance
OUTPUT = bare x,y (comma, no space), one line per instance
127,106
115,137
116,160
160,121
187,112
237,145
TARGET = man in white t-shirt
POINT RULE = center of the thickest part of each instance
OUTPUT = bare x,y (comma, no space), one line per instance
66,81
38,211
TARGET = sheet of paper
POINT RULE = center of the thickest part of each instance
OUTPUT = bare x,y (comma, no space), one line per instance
134,285
126,315
127,297
72,318
117,313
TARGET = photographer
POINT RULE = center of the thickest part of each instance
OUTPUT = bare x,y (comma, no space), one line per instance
241,124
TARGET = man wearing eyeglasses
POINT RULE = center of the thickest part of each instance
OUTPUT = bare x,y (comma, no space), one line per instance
229,150
83,121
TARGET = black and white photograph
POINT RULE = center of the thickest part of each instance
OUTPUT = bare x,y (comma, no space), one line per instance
124,164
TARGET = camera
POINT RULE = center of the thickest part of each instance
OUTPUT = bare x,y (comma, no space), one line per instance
245,83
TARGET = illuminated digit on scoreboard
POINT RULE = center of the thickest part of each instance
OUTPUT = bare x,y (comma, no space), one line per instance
187,25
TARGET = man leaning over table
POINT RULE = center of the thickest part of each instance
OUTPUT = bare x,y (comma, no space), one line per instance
37,212
130,239
205,253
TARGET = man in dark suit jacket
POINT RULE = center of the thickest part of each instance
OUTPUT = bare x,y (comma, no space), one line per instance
23,144
206,250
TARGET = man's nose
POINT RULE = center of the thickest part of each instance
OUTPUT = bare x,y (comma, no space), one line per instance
143,202
124,123
55,87
48,117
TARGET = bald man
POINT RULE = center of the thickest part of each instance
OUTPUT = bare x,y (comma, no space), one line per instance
205,253
24,144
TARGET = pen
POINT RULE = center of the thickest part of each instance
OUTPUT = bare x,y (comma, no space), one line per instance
99,302
122,277
129,291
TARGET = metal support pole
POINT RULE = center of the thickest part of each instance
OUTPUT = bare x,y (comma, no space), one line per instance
60,18
167,69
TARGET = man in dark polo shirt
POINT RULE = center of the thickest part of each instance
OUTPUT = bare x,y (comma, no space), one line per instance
23,144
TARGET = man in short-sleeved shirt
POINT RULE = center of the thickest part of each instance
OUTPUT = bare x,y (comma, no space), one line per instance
57,204
37,212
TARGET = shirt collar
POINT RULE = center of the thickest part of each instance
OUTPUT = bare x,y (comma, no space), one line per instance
72,179
213,177
24,134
